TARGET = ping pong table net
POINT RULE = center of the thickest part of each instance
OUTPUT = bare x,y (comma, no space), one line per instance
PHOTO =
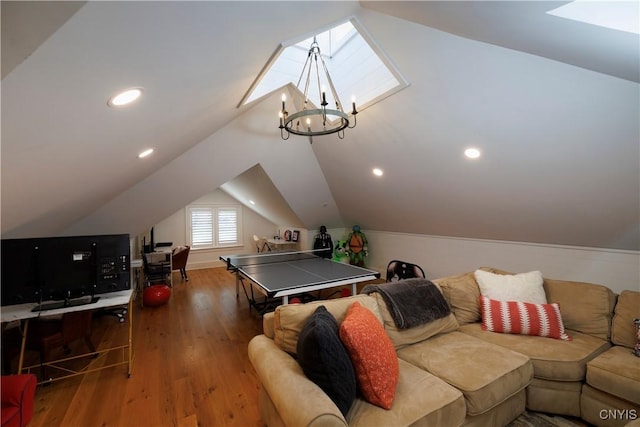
273,258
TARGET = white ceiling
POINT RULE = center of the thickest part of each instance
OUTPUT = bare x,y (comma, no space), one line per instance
553,104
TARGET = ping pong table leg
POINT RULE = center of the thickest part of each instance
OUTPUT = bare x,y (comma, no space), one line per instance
354,289
237,285
285,300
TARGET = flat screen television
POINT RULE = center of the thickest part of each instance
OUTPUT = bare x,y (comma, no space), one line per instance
68,270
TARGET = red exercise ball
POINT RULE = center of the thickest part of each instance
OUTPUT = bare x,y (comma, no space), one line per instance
156,295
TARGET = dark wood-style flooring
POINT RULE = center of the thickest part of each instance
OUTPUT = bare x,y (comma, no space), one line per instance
190,365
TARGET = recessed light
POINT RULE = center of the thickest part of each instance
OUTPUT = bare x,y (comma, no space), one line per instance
472,153
145,153
378,172
252,202
125,97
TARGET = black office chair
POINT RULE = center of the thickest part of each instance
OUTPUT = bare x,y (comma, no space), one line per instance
399,270
156,272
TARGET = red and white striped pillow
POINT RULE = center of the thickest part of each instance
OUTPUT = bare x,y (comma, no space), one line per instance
513,317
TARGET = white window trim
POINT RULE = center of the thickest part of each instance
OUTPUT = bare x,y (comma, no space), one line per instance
215,239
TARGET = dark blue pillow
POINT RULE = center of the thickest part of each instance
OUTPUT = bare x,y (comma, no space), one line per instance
324,359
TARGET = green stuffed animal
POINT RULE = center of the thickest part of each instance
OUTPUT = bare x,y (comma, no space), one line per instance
340,253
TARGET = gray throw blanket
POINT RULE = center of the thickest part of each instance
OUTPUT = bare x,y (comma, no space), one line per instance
411,302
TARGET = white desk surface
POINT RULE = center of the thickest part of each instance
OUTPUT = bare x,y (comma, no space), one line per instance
281,242
12,313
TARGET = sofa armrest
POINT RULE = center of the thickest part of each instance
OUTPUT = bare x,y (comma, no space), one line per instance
298,400
19,391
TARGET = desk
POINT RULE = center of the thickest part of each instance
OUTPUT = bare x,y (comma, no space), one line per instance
22,312
280,244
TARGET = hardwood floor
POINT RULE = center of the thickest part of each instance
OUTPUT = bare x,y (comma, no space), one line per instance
190,365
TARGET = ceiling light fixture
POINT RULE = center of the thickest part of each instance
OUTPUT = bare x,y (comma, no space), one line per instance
316,121
378,172
472,153
125,97
145,153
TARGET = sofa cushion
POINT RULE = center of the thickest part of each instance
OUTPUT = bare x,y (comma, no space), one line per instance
289,319
605,410
513,317
421,399
525,287
462,293
373,355
486,374
617,372
325,361
555,397
403,337
590,314
623,330
552,359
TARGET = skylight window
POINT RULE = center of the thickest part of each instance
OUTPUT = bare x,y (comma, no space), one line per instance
619,15
358,70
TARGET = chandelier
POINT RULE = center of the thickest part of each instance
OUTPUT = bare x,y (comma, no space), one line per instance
311,121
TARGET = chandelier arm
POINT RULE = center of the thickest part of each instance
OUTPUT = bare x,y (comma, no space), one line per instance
306,62
354,121
307,81
323,102
307,85
331,86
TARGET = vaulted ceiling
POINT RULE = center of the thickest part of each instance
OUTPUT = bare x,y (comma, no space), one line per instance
552,104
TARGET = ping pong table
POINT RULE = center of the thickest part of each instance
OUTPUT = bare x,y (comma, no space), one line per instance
282,274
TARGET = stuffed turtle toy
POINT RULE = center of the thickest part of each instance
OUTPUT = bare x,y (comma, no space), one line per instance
357,247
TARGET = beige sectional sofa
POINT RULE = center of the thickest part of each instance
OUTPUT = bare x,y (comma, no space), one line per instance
451,372
611,394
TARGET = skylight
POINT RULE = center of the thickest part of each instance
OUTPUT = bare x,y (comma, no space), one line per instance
357,69
619,15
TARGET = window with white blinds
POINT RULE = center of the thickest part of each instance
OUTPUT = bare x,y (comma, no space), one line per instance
213,226
227,226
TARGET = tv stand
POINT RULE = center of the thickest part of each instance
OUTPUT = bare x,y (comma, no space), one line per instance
66,303
122,354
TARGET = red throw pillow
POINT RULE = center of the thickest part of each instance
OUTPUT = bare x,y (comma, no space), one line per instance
372,354
514,317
